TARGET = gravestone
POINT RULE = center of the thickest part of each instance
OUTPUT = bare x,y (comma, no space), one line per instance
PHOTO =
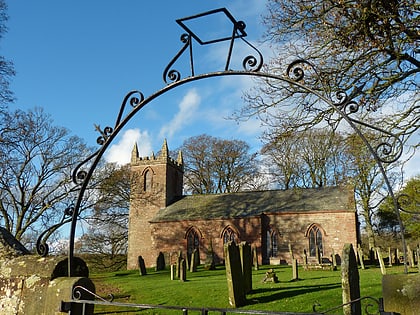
395,259
194,260
350,281
410,256
178,264
9,246
295,276
173,272
381,261
246,264
183,271
255,258
291,252
389,257
361,257
270,276
234,276
210,263
142,266
305,258
334,260
318,255
160,262
418,257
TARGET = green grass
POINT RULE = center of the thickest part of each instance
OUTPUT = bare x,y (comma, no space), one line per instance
209,289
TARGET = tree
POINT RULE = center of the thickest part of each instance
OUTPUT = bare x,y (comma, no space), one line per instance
36,160
107,234
310,159
317,158
6,67
214,165
369,49
409,202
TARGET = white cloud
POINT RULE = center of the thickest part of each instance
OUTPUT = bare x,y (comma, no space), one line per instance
120,152
187,110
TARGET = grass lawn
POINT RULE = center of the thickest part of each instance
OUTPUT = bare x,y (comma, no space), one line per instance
209,289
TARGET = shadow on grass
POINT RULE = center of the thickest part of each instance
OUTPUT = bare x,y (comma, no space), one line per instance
273,294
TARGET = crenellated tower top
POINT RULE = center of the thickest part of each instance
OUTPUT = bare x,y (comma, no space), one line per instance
162,157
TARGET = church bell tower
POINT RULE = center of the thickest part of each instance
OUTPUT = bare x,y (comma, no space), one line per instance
156,182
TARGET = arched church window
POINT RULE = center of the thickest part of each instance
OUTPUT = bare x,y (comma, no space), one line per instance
193,241
315,241
229,235
147,181
272,243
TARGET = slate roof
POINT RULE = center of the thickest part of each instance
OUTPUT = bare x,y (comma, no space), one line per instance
253,203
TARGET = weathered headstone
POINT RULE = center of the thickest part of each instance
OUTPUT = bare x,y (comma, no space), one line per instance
389,257
210,263
291,252
295,276
234,275
418,257
183,271
350,281
255,258
270,276
410,256
381,261
178,264
173,267
395,259
361,257
9,246
160,262
194,261
334,260
318,255
401,293
246,263
142,266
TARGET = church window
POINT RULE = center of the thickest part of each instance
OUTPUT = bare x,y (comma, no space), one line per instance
272,243
193,241
315,241
147,181
229,235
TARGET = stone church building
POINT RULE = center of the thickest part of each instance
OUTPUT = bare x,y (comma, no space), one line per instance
162,219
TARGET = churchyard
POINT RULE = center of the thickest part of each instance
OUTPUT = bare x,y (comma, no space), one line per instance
209,288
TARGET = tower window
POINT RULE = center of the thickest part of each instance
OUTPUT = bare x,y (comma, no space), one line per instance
147,181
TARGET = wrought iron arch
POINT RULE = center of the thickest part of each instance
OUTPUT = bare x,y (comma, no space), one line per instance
385,152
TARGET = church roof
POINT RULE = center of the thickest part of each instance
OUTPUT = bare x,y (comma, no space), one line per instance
253,203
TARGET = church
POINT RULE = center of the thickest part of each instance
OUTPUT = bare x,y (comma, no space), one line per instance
312,223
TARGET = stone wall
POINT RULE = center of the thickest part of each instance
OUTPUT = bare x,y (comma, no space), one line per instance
337,228
32,284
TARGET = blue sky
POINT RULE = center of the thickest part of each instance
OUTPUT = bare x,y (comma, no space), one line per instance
78,59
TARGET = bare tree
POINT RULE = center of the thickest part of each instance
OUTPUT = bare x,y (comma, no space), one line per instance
314,158
107,234
6,67
214,165
36,159
369,49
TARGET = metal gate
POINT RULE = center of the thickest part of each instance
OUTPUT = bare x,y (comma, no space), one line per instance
341,103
